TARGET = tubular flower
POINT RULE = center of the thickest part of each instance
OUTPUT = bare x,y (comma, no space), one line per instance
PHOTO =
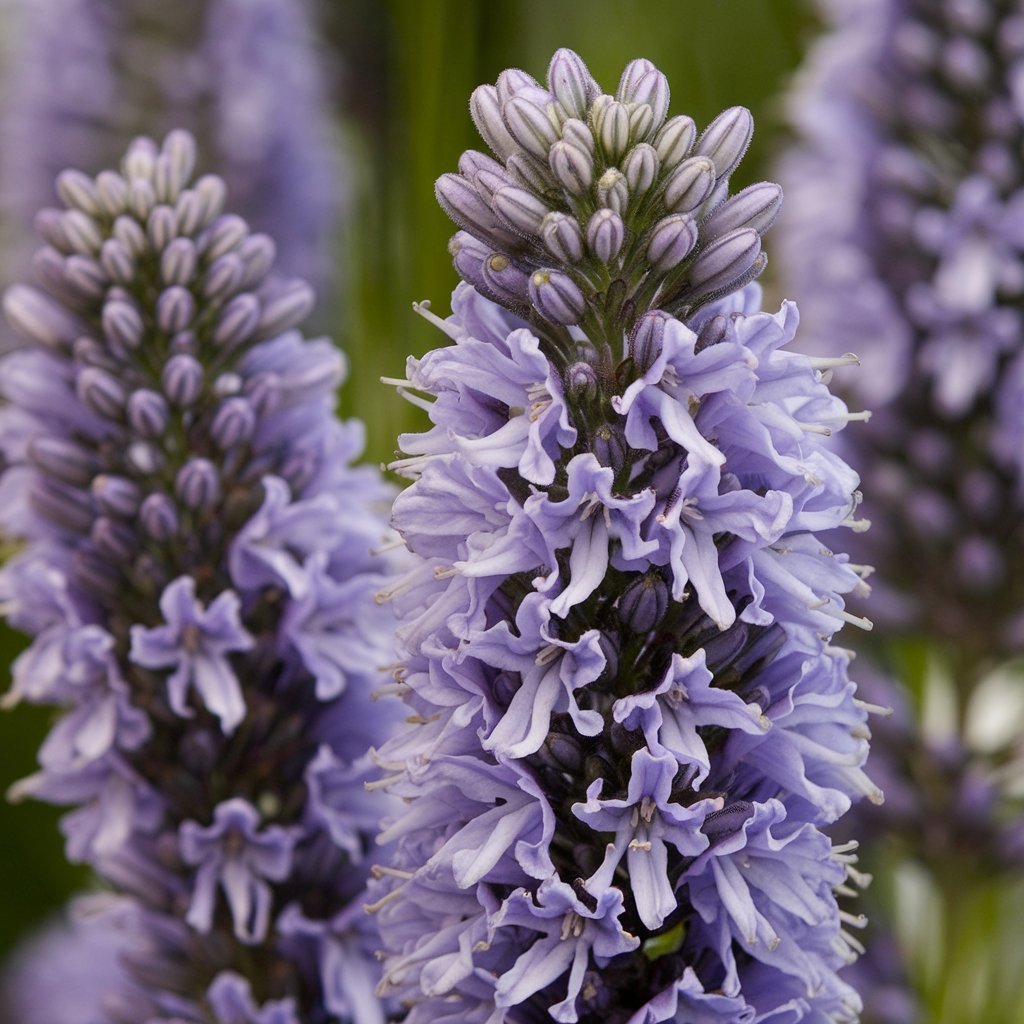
243,76
907,237
629,723
196,572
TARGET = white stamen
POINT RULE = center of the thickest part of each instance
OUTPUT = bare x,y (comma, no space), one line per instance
423,308
829,362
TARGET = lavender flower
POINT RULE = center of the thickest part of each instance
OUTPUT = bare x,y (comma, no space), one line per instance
196,572
629,722
907,237
243,75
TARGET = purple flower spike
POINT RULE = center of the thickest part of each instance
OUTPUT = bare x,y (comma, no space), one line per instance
616,626
196,569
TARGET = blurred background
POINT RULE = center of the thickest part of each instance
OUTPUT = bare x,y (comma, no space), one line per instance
379,90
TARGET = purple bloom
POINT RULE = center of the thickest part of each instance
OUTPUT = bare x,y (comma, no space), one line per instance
196,571
195,642
615,632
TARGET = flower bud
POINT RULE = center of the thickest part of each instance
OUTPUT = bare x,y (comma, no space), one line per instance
115,540
472,162
148,414
581,381
671,241
257,253
286,309
725,260
562,236
197,484
182,380
117,261
37,317
726,139
122,324
648,339
711,333
577,134
233,423
459,199
101,392
571,83
556,297
689,184
572,167
674,140
528,123
115,495
520,209
174,309
224,234
85,276
129,233
505,279
468,256
223,276
563,752
642,82
82,232
609,446
485,109
643,603
605,234
158,517
178,262
515,80
61,503
179,149
237,321
161,226
140,159
612,190
641,123
112,193
641,168
755,207
63,459
611,127
212,193
530,172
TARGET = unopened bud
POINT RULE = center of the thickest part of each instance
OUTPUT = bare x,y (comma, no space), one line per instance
122,324
641,123
101,392
689,184
115,540
287,308
572,167
460,200
612,190
520,209
581,381
148,414
556,297
674,140
158,516
233,423
468,256
529,171
562,236
485,109
577,134
528,123
117,261
226,233
671,241
641,168
237,321
643,603
642,82
571,83
82,232
755,207
63,459
174,309
605,234
37,317
725,261
115,495
611,127
610,446
112,192
178,261
726,139
197,484
161,226
85,276
505,279
648,339
223,276
182,380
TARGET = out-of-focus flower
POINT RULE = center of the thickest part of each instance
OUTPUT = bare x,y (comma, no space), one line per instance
905,241
244,76
196,572
629,723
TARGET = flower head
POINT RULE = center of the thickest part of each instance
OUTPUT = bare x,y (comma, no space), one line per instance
196,570
615,636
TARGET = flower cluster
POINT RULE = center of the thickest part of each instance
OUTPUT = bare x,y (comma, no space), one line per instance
242,75
629,723
196,572
907,237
